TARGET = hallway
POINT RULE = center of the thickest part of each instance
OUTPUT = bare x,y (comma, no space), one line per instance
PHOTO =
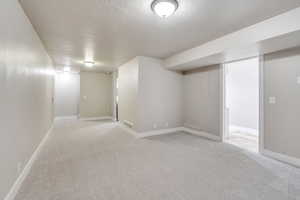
99,160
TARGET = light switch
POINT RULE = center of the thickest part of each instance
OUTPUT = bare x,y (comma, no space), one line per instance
272,100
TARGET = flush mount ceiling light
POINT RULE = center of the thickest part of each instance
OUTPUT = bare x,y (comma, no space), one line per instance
89,63
164,8
67,69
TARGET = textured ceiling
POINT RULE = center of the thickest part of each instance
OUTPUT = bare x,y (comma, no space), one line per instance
113,31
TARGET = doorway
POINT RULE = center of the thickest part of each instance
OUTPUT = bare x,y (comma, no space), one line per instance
242,103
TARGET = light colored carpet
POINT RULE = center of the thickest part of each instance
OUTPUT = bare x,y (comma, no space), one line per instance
244,140
99,161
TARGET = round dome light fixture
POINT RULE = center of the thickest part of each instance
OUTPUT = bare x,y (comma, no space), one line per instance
89,63
164,8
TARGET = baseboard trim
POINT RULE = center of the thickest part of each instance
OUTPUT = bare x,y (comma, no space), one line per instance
128,123
202,134
159,132
17,184
96,118
282,157
169,131
66,117
128,129
243,129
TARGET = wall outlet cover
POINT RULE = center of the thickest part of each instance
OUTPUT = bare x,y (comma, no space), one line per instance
272,100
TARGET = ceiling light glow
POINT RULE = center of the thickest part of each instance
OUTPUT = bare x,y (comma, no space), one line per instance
89,63
67,69
164,8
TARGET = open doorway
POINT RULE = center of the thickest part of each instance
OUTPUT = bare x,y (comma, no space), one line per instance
242,104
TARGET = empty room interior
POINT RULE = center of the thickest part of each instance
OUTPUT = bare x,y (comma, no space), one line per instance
150,100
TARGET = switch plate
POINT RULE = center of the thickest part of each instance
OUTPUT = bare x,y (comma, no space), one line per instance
154,126
272,100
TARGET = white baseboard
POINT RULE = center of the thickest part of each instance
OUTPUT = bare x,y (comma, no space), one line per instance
66,117
159,132
17,184
128,123
96,118
234,128
202,134
128,129
281,157
168,131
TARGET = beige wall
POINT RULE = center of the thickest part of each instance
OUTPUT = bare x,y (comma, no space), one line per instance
128,90
201,99
67,92
26,86
281,120
96,95
159,96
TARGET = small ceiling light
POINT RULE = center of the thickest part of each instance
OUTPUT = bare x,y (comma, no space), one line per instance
89,63
67,69
164,8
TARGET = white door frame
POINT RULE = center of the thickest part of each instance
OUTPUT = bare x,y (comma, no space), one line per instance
223,115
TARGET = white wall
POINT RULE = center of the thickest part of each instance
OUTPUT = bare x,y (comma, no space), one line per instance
159,96
96,90
67,92
128,78
150,96
282,121
26,85
201,99
242,93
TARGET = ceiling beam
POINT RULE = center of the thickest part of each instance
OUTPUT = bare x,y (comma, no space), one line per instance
250,41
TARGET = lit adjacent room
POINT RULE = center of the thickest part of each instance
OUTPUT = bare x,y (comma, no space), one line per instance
149,100
242,103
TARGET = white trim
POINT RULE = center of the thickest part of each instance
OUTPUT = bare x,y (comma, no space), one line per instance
281,157
17,184
234,128
202,134
128,129
96,118
261,131
261,102
168,131
223,123
66,117
128,123
159,132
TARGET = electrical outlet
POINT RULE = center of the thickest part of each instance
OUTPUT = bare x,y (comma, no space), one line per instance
272,100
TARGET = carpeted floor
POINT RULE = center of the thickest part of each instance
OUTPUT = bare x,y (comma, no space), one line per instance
100,161
244,140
